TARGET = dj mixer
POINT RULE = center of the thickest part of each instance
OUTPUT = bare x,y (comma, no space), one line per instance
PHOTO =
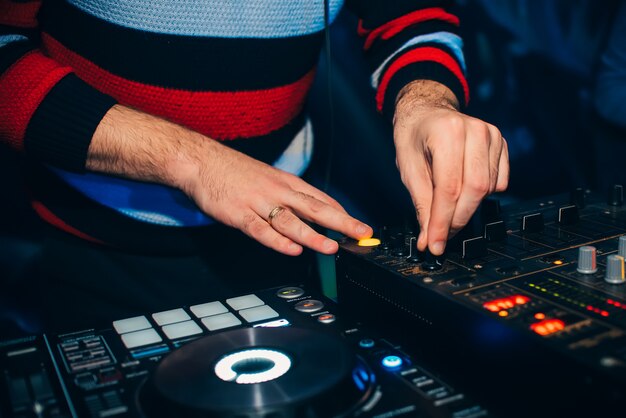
523,316
528,308
283,352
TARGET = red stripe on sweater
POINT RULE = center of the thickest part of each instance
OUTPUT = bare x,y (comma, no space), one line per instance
219,115
391,29
426,53
360,30
22,88
21,15
52,219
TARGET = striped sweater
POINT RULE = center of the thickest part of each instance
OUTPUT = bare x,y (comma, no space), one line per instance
236,71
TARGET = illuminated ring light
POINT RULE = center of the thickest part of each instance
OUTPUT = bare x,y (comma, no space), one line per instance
252,366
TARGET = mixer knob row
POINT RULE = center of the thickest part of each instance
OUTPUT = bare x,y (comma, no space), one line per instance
614,263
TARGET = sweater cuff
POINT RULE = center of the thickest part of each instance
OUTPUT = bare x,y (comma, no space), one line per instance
426,70
60,131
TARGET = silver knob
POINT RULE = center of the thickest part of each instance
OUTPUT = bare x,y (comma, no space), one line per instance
587,260
621,248
614,269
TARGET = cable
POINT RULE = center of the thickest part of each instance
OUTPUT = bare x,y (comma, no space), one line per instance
331,133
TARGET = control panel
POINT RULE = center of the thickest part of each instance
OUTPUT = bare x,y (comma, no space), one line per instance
531,308
283,352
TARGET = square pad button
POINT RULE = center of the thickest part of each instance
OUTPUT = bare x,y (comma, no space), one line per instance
181,329
244,302
208,309
258,313
170,317
215,322
131,324
139,338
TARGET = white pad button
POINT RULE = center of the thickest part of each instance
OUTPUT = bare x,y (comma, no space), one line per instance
215,322
258,313
208,309
139,338
181,329
131,324
244,302
170,317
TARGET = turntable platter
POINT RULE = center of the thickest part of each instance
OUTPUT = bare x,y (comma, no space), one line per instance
259,372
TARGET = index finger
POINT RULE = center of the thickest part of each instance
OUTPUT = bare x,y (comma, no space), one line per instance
416,176
314,210
447,167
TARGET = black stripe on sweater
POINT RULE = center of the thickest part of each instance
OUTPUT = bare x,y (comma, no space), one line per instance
181,62
12,52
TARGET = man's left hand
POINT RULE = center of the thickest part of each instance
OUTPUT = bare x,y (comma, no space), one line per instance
448,161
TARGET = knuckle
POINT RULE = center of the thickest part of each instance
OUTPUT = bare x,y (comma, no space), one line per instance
315,205
495,132
333,202
301,195
481,129
450,129
454,121
420,209
305,232
349,224
456,226
451,190
251,225
503,184
284,219
281,243
479,185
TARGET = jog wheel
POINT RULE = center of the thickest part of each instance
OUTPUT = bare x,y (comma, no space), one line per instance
259,373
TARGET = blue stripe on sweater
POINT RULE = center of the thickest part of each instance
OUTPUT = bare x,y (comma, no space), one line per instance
162,205
7,39
215,18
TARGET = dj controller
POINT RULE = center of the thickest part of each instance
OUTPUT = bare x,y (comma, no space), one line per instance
527,308
278,353
525,315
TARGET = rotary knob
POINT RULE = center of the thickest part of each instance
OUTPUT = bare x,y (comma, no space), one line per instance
614,269
587,260
621,247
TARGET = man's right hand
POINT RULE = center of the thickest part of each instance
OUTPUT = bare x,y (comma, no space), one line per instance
227,185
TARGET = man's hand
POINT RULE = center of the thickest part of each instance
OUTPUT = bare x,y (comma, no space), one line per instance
227,185
447,160
242,192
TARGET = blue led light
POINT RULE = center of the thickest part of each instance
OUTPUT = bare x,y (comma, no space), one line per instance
366,343
392,362
357,380
152,351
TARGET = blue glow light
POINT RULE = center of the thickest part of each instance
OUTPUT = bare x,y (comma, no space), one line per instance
366,343
391,362
357,380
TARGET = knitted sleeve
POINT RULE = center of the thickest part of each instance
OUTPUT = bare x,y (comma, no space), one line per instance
45,110
407,40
